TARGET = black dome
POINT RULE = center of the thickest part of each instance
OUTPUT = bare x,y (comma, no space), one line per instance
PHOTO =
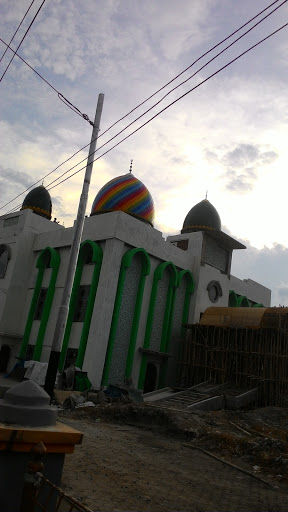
203,216
39,201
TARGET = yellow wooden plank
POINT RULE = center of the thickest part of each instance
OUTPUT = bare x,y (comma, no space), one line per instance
56,434
26,447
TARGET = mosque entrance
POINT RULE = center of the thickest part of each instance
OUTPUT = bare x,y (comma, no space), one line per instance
4,357
151,378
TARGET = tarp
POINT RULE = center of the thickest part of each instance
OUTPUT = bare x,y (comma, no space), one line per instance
36,371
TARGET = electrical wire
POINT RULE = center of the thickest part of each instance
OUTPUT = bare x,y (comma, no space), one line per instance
168,106
17,29
169,92
176,100
143,102
193,63
168,83
59,94
173,89
30,25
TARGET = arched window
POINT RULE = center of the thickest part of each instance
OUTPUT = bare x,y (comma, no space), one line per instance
5,254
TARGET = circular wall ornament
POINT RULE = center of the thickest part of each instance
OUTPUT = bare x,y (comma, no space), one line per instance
214,291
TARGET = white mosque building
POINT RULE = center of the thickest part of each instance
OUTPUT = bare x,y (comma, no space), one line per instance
133,290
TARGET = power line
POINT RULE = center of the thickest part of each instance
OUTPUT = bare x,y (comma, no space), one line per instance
8,65
193,63
168,106
59,94
143,102
17,29
169,92
176,100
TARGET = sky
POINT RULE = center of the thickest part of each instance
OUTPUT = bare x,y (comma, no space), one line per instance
228,136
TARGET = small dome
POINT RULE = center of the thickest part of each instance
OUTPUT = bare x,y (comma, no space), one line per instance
203,216
39,201
127,194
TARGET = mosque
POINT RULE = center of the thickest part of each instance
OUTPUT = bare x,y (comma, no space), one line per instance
133,290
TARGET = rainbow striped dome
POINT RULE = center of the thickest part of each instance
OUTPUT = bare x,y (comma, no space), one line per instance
128,194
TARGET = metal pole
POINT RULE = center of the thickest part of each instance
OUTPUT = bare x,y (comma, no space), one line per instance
78,229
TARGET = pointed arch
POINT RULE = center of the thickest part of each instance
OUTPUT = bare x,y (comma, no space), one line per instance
92,251
189,291
243,302
166,324
49,258
119,310
233,303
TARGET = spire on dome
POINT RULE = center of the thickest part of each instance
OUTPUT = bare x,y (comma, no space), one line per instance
130,169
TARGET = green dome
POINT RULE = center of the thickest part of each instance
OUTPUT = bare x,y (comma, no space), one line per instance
203,216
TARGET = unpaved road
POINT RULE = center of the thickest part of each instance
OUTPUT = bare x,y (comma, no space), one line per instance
121,467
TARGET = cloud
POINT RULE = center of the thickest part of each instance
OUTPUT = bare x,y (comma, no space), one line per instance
266,266
242,155
12,183
128,50
242,165
14,177
240,182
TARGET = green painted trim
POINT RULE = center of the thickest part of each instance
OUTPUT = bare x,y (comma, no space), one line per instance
167,321
54,263
189,291
169,310
233,299
31,313
145,271
125,264
97,260
242,299
257,305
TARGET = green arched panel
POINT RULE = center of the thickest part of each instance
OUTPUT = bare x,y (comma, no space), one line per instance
145,270
189,290
232,299
168,314
243,302
96,258
49,258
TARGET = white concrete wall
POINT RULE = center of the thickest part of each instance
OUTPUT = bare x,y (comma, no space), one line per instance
252,290
117,232
200,300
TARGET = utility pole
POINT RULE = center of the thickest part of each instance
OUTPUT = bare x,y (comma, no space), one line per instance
74,251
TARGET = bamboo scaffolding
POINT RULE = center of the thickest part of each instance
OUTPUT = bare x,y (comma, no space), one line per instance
246,357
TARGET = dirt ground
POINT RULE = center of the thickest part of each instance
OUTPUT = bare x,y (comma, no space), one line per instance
143,458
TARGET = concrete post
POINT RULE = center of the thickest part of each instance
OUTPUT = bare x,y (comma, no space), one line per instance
26,418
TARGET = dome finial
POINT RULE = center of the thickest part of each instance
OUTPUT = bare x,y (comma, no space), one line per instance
130,169
206,194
